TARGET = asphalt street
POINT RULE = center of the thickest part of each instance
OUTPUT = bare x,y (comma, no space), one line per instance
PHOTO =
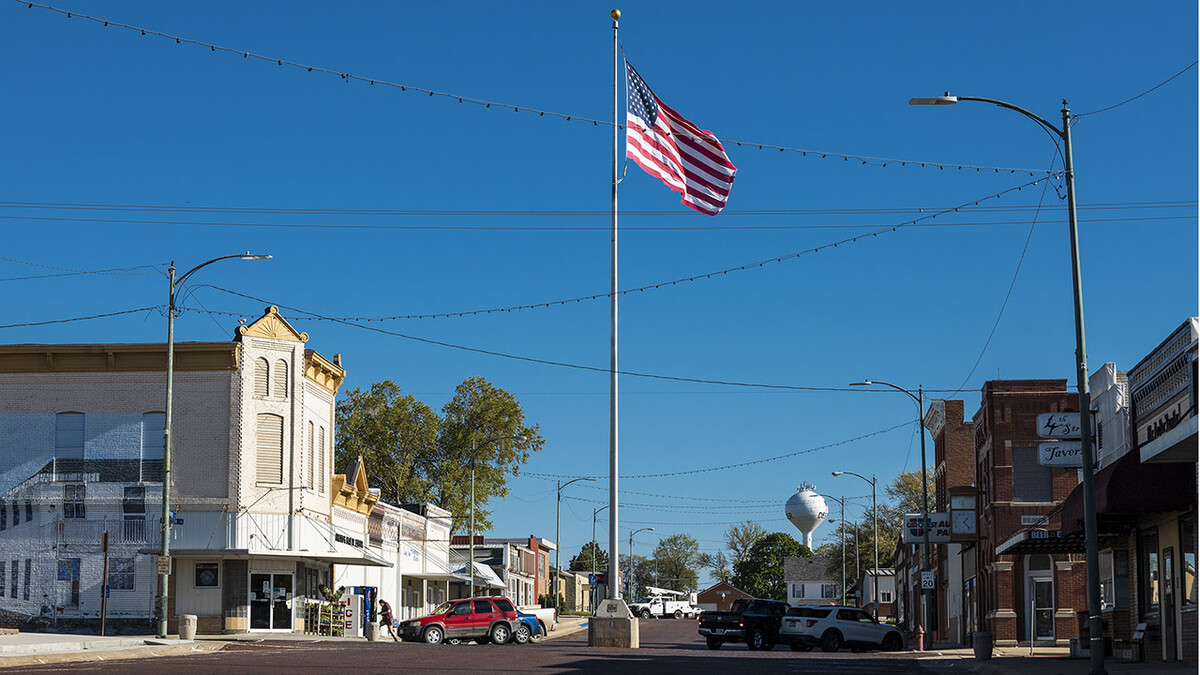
668,646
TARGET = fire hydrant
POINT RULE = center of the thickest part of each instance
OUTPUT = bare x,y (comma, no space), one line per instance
919,639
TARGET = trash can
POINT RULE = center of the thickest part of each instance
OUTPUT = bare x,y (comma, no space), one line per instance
187,626
981,642
372,631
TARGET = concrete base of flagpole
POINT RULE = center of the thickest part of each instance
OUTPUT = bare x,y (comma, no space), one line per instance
614,626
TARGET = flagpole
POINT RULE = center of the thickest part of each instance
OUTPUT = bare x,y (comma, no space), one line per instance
614,588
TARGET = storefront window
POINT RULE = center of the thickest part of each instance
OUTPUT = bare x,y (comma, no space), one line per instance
1107,581
1148,573
1187,545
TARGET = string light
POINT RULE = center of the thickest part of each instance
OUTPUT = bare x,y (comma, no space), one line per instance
487,105
662,284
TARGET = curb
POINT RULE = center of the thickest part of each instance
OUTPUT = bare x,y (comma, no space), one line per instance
147,650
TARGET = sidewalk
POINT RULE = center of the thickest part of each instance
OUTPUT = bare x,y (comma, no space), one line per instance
24,649
1044,661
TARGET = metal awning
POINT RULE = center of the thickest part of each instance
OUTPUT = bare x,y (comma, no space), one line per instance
1044,541
437,576
353,557
484,576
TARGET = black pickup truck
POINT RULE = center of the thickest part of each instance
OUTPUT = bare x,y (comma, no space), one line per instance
754,621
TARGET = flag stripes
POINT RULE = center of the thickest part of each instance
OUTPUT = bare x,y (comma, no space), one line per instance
666,145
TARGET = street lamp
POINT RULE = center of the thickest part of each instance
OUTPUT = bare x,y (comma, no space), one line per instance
595,550
875,546
164,578
557,543
632,588
919,399
1081,371
471,545
842,592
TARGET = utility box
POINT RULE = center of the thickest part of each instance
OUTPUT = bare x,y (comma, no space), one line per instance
613,626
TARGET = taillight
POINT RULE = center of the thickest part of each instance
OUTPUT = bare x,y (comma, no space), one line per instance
811,623
741,622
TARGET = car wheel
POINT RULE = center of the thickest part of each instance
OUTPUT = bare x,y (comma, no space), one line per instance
645,614
757,640
713,644
521,635
831,641
801,648
542,625
500,634
433,635
892,642
678,614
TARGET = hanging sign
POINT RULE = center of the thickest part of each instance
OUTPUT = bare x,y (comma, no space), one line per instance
1058,425
939,528
1061,453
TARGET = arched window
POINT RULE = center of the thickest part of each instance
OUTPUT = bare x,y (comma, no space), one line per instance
279,379
312,456
261,377
68,435
269,445
1039,561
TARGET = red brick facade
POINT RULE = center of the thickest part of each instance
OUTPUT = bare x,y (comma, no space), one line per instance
1010,488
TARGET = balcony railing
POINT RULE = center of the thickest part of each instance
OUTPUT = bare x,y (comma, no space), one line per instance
141,531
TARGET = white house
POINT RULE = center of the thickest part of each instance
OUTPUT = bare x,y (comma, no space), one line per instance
811,580
260,519
885,577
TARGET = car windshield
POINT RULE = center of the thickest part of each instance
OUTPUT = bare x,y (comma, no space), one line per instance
644,601
442,608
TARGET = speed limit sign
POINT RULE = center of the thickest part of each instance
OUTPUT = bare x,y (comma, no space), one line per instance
927,581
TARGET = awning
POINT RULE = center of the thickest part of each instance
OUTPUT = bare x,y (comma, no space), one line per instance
438,576
1126,489
1043,541
483,576
356,557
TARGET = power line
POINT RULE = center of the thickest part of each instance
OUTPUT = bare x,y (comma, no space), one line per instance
68,271
648,287
160,308
1134,98
347,77
738,465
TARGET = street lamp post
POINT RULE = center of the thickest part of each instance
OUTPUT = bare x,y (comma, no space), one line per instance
632,588
927,562
875,544
842,592
1081,370
471,544
595,548
557,543
174,284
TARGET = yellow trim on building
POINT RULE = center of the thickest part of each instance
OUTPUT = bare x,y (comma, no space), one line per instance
354,495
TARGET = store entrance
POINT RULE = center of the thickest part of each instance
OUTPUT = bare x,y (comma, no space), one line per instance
271,601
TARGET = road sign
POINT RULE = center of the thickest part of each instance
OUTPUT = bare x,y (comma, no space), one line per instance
1058,425
928,582
164,564
1061,453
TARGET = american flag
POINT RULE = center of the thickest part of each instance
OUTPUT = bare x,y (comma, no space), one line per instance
684,157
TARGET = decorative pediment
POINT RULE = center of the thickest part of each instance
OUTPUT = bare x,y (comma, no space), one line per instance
350,489
272,326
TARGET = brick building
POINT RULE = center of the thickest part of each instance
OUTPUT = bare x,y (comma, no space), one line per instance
1022,591
720,596
260,517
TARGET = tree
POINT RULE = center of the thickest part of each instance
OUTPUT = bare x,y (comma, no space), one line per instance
760,572
642,575
413,455
676,561
740,538
590,552
718,565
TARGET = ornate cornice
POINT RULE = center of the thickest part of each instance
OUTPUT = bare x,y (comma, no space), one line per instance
127,358
272,326
354,494
320,370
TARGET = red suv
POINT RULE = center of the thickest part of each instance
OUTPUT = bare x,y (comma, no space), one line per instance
480,619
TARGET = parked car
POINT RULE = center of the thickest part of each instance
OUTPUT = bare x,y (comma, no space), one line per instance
832,628
752,620
547,617
480,619
529,630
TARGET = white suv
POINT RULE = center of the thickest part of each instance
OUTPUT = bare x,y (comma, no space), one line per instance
835,627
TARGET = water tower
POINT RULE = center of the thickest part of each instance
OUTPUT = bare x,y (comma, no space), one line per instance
806,509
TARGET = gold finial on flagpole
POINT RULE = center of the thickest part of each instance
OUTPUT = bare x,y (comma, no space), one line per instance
615,14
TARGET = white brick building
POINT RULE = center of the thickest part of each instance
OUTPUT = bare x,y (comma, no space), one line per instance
262,519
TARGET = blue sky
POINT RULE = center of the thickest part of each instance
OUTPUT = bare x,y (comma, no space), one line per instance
229,153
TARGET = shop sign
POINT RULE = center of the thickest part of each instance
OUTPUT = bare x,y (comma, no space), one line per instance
1061,453
939,528
1058,425
1045,534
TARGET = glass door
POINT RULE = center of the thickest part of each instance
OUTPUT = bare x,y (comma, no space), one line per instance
1043,608
271,601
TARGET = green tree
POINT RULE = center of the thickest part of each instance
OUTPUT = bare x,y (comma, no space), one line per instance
718,565
739,539
760,572
676,561
414,455
590,552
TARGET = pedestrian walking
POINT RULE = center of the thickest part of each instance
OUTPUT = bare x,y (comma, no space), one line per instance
385,619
